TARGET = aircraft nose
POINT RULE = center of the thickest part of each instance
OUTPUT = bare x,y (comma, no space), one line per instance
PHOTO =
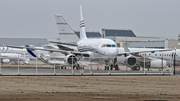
113,52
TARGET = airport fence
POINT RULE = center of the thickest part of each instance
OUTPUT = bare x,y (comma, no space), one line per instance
94,66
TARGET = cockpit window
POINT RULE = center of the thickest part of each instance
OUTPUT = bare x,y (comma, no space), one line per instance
108,45
113,45
103,45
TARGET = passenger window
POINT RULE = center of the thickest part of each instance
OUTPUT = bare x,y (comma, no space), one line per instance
160,54
155,54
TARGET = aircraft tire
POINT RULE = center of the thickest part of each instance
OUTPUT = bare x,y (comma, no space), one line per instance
138,68
135,68
116,67
106,67
111,66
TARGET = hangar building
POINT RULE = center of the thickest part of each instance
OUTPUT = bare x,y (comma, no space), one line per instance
120,36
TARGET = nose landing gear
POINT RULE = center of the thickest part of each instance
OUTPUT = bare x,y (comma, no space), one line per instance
114,65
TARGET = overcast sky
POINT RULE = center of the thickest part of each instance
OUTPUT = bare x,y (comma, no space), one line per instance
35,18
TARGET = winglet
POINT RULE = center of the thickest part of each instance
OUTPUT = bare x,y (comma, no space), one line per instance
82,26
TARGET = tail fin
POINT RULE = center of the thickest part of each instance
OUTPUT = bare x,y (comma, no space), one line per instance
43,58
66,33
82,26
30,51
8,50
40,56
3,49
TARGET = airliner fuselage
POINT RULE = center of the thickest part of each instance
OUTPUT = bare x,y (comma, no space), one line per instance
99,48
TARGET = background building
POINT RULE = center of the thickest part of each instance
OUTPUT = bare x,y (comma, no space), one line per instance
90,34
120,36
23,41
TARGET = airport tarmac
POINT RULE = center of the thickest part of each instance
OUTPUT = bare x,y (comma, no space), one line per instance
40,71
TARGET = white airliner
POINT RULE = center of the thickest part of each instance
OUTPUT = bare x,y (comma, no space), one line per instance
153,60
96,50
8,57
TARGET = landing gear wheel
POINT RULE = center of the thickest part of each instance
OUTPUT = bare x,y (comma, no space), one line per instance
106,67
112,66
116,67
136,68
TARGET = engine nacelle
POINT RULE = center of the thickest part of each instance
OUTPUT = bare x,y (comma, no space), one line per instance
158,64
130,61
70,60
5,61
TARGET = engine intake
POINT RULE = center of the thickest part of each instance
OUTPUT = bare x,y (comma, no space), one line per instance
70,59
131,61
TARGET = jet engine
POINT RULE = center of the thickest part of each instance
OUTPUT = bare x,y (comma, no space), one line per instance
70,60
158,64
5,61
130,61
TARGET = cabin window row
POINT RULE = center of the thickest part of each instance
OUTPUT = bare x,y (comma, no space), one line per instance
159,54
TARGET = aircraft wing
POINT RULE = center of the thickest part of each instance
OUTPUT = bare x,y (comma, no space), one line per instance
70,44
85,54
32,48
65,48
127,51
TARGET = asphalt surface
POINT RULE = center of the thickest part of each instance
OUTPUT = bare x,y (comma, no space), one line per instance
33,71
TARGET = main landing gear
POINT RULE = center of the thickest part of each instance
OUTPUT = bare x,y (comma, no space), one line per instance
136,67
114,65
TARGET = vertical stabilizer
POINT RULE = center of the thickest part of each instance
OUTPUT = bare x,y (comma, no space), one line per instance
82,26
66,34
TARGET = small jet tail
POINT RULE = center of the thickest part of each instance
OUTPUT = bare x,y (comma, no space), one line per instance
82,26
31,51
66,34
40,56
